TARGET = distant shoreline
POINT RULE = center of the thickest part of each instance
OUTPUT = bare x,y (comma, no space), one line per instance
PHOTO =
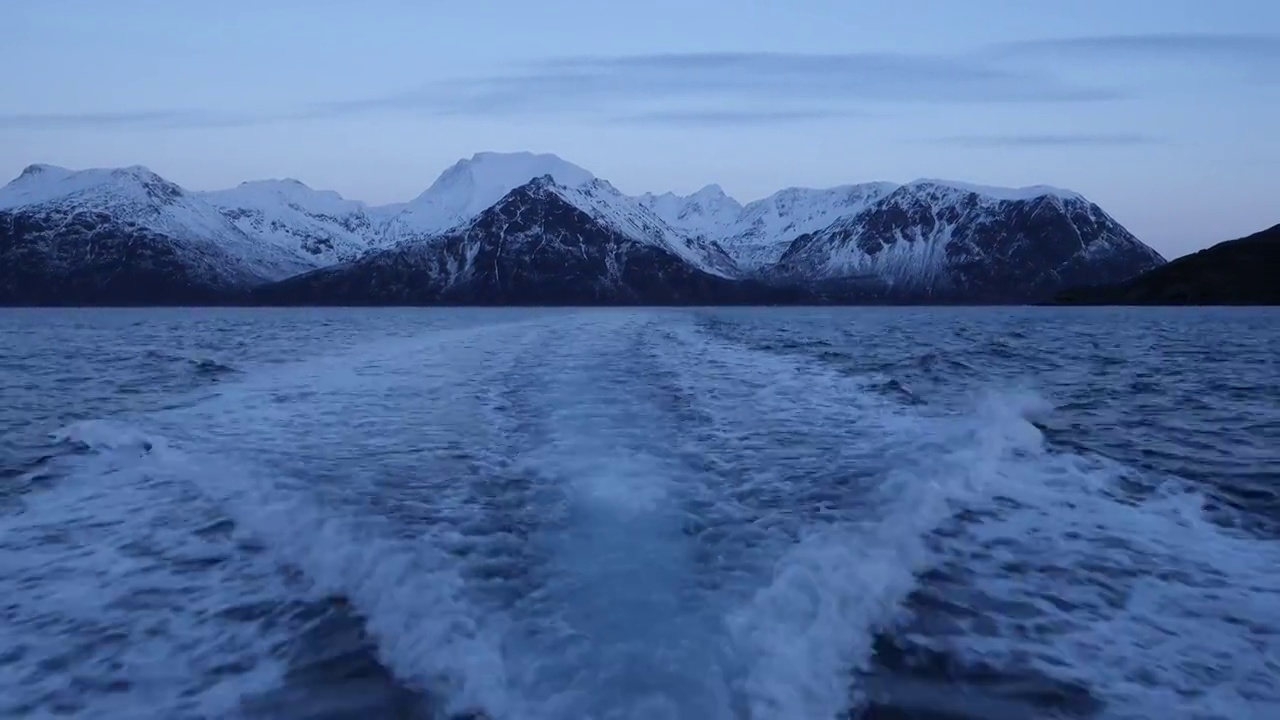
572,306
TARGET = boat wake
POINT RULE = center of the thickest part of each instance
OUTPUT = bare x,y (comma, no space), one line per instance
615,515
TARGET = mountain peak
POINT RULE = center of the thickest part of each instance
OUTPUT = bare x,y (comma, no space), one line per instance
261,192
49,183
542,181
996,193
516,167
606,207
704,213
264,194
276,183
473,184
42,169
134,170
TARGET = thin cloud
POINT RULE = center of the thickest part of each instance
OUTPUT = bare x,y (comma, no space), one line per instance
159,119
1255,57
606,87
1048,140
1175,45
796,86
722,118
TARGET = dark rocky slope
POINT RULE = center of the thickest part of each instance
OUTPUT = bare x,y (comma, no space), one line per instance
1237,272
93,259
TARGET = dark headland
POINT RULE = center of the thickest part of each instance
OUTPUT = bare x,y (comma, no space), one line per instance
1245,271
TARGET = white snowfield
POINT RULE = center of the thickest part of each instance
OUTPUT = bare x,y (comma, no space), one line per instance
281,227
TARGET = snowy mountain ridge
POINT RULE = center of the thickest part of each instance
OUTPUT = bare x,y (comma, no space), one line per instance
924,236
758,233
136,197
631,218
543,243
472,185
318,225
705,212
941,240
321,227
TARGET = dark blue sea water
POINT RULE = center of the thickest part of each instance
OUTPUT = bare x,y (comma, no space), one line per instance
994,514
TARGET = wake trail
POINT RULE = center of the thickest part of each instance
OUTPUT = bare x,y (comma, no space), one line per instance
606,515
617,630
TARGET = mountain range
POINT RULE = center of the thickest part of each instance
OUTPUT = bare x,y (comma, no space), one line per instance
524,228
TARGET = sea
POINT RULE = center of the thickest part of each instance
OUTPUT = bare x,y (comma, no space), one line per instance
640,514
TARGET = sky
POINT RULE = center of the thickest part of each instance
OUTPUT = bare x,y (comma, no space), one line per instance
1164,112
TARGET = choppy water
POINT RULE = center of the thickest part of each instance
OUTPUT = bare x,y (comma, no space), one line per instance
771,514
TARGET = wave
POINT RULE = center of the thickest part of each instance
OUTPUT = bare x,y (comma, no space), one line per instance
104,436
204,366
117,603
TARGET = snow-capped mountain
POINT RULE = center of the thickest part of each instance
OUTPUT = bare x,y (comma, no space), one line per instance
765,228
472,185
756,234
123,235
630,218
542,243
319,225
934,239
128,235
707,212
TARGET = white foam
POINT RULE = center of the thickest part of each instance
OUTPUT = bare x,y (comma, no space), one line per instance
122,593
105,435
406,589
256,449
842,571
1139,598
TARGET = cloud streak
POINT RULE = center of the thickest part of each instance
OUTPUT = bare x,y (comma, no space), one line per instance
141,119
660,88
662,85
1175,46
1048,140
1256,57
728,88
729,118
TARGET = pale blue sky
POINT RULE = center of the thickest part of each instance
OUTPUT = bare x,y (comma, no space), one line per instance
1165,112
